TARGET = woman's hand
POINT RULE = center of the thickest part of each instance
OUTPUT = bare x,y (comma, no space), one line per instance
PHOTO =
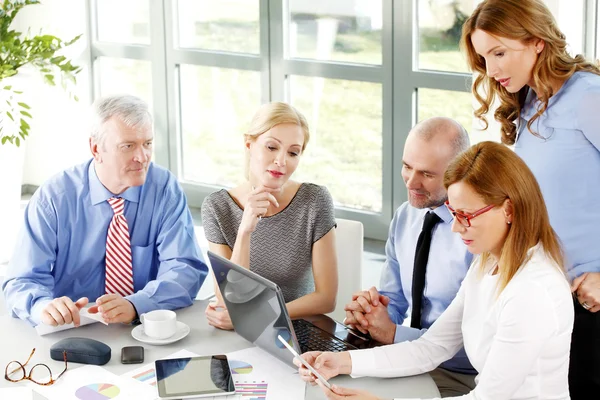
218,316
337,393
327,364
257,204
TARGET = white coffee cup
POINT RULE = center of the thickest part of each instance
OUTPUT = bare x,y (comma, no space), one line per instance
159,324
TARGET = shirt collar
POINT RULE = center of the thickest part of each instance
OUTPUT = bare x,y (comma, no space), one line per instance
99,194
443,213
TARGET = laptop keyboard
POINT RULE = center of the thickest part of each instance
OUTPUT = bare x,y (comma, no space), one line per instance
311,338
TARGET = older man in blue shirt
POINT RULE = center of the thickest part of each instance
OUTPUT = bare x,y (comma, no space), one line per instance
115,229
429,148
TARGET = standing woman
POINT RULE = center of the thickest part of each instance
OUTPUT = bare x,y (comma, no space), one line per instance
276,227
549,109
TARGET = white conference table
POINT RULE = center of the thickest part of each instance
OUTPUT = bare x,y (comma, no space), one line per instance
17,338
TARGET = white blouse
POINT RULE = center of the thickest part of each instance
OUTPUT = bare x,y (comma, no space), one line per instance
518,341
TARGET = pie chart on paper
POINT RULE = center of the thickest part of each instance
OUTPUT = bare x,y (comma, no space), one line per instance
97,391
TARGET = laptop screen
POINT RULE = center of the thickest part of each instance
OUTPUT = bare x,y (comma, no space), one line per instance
256,307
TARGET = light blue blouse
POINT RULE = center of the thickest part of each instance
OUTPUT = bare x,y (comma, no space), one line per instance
566,162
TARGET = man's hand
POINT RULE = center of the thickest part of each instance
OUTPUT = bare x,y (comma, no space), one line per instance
362,303
381,327
218,316
113,308
63,311
587,288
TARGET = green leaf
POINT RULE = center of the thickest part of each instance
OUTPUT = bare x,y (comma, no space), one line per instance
25,106
10,115
7,87
4,139
25,113
49,79
18,142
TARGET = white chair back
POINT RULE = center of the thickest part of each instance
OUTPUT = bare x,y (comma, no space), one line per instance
349,237
207,290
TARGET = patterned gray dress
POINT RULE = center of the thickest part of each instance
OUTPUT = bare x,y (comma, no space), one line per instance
281,245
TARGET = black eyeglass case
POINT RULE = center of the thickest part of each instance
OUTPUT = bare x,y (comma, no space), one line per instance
81,350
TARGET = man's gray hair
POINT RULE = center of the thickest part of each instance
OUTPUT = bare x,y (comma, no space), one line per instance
432,127
131,110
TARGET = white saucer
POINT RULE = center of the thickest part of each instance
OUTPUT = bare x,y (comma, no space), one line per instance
182,331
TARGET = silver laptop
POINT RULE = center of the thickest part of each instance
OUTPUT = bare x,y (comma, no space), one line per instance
258,313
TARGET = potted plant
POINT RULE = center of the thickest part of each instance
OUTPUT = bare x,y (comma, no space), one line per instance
40,52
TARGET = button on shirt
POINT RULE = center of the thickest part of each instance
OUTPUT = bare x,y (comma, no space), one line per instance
566,163
62,247
447,266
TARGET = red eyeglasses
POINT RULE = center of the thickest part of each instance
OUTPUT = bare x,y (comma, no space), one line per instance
465,219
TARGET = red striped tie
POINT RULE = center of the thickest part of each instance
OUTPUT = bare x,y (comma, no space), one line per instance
119,270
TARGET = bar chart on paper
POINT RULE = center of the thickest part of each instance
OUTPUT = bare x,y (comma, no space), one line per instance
147,376
251,390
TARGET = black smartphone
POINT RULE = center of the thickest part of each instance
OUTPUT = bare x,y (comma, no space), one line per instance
132,355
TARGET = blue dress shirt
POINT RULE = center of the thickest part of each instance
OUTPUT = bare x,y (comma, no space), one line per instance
61,249
566,164
447,266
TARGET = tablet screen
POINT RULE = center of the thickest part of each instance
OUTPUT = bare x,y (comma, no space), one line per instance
194,376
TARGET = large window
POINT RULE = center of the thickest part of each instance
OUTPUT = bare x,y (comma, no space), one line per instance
227,25
216,106
122,75
440,23
344,152
123,21
362,71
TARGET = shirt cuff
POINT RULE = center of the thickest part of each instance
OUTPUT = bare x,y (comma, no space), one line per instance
35,313
407,334
363,362
141,302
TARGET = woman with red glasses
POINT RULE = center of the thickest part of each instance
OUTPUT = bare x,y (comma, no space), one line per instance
513,312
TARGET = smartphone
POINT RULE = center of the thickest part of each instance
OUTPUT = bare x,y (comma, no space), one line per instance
307,365
132,355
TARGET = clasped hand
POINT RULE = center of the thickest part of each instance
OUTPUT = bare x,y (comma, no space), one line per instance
367,312
112,307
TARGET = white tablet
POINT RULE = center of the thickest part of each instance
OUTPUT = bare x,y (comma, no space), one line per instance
190,377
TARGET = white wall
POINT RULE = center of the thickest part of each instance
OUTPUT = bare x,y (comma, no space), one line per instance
58,138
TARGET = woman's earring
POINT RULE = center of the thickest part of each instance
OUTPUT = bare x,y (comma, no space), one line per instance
508,222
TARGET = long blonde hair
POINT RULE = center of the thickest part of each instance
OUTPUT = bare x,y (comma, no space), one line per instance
268,116
496,173
526,21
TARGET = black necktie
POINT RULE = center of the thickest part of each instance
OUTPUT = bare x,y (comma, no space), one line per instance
421,257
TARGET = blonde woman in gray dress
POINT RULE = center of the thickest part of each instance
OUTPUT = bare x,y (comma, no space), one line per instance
276,227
